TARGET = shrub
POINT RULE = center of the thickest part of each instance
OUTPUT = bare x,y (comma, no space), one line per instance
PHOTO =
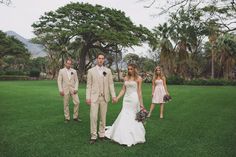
2,72
13,77
175,80
210,82
14,72
34,73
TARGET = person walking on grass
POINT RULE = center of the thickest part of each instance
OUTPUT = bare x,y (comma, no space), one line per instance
68,86
159,90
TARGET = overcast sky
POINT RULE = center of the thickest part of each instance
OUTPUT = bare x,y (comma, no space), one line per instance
22,13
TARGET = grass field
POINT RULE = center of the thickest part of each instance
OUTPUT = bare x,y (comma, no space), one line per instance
200,121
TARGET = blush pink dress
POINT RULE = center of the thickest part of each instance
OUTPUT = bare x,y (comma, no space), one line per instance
159,92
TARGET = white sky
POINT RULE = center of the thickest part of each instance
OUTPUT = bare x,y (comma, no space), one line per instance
23,13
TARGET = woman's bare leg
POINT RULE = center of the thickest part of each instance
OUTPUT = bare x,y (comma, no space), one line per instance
151,109
161,110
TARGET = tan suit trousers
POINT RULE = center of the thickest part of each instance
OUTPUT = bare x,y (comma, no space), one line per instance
66,106
101,106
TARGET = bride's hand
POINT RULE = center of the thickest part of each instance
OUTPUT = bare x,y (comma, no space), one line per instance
114,100
142,107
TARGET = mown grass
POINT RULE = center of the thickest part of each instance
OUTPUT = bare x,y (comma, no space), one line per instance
199,121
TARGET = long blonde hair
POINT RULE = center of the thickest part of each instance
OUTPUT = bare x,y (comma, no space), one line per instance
135,71
156,75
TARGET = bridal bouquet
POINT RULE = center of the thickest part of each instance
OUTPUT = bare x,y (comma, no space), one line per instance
167,98
141,116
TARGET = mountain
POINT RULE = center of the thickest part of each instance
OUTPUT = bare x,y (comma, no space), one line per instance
35,49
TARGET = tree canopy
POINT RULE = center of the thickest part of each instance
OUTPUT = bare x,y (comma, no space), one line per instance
89,27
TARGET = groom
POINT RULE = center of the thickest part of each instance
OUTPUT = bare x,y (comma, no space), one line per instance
99,88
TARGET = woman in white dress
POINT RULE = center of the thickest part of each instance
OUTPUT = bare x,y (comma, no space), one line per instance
159,90
126,130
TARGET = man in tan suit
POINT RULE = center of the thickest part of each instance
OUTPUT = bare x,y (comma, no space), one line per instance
99,88
68,86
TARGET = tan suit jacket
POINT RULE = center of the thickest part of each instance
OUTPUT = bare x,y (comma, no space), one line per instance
92,90
65,84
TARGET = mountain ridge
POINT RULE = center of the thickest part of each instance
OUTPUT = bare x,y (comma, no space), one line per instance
35,49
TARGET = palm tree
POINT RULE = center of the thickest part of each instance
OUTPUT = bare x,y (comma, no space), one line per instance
166,53
226,54
213,30
187,33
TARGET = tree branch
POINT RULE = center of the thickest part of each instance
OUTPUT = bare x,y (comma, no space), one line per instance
149,6
6,2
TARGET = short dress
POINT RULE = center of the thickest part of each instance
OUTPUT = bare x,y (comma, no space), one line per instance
159,92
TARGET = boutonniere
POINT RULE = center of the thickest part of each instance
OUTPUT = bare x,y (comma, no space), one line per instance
104,73
71,73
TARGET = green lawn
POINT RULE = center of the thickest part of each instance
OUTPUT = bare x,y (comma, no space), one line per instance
200,121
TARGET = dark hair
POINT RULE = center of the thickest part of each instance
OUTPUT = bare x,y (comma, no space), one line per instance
100,53
68,59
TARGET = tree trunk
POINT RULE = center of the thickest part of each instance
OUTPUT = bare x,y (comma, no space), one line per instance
82,60
117,67
226,70
212,64
212,39
62,61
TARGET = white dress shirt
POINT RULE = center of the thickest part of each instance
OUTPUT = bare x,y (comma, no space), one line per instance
68,71
100,70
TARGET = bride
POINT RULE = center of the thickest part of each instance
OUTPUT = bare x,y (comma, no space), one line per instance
126,130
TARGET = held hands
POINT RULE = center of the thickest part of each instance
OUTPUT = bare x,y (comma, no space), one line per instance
142,108
62,93
114,100
88,101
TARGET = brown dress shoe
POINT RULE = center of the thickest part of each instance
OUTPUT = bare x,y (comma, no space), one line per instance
92,141
77,120
102,138
66,121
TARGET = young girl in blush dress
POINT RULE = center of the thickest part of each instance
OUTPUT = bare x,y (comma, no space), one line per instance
159,90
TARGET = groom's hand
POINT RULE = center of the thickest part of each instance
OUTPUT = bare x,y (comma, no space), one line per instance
62,93
88,101
75,91
114,100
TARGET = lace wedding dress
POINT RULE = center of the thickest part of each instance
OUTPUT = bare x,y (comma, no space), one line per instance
126,130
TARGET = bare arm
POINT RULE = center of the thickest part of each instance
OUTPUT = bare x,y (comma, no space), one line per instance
153,87
140,92
165,86
122,92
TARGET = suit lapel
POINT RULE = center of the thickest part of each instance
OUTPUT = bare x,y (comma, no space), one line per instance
105,70
95,71
66,75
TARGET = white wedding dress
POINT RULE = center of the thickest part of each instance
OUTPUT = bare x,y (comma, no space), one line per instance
126,130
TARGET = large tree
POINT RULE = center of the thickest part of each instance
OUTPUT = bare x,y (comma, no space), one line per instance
11,46
165,53
226,54
12,49
91,27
